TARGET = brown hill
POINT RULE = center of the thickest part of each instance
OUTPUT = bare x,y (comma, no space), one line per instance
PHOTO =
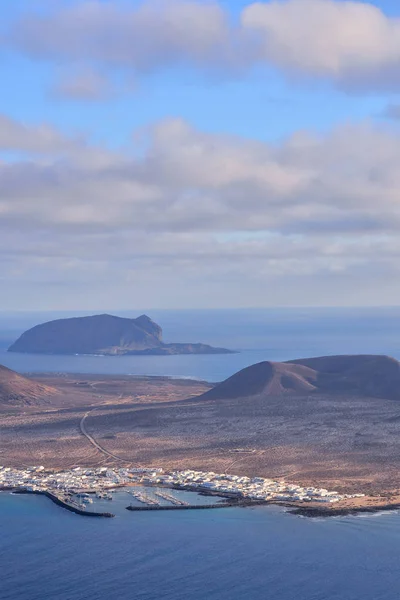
17,390
361,375
103,334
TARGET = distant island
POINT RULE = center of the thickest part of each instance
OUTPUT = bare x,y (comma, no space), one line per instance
104,335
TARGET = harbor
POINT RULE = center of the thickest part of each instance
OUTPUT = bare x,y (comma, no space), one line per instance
66,503
91,504
93,492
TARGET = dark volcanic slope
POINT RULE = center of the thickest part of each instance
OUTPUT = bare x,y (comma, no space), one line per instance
102,334
265,378
18,390
374,376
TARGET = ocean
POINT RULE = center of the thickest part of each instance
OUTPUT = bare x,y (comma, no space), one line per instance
229,554
234,553
258,334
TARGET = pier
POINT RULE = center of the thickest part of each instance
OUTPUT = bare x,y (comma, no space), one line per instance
223,504
180,506
64,504
172,499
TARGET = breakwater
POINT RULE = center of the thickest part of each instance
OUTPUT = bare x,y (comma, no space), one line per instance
64,504
198,489
180,507
224,504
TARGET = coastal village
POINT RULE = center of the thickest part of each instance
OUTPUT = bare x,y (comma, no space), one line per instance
101,481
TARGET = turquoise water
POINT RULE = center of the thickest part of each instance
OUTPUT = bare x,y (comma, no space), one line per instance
230,554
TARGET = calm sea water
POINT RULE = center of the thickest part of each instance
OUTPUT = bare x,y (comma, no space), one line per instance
229,554
259,334
235,554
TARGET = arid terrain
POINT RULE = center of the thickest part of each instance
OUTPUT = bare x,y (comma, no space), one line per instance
50,432
17,390
339,441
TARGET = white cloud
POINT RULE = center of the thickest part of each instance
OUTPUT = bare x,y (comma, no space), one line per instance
346,181
155,33
38,139
200,209
83,84
352,44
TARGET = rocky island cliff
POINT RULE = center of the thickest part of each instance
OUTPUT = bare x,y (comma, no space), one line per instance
104,335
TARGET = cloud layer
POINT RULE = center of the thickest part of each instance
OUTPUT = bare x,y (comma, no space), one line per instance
196,209
153,35
346,181
352,44
182,210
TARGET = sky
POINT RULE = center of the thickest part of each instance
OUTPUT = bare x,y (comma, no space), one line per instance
199,154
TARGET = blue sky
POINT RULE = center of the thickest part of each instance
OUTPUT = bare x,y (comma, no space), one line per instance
277,106
244,150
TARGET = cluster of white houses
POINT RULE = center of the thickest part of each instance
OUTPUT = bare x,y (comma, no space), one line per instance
255,488
97,479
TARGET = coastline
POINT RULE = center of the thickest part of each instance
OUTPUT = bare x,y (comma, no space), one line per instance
59,501
123,403
228,501
318,512
311,510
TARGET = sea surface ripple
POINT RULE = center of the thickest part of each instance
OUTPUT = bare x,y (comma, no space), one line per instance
231,554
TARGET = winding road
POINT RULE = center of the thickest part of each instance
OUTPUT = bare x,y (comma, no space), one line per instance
93,441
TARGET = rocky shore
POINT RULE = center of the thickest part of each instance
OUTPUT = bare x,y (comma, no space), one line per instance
318,512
